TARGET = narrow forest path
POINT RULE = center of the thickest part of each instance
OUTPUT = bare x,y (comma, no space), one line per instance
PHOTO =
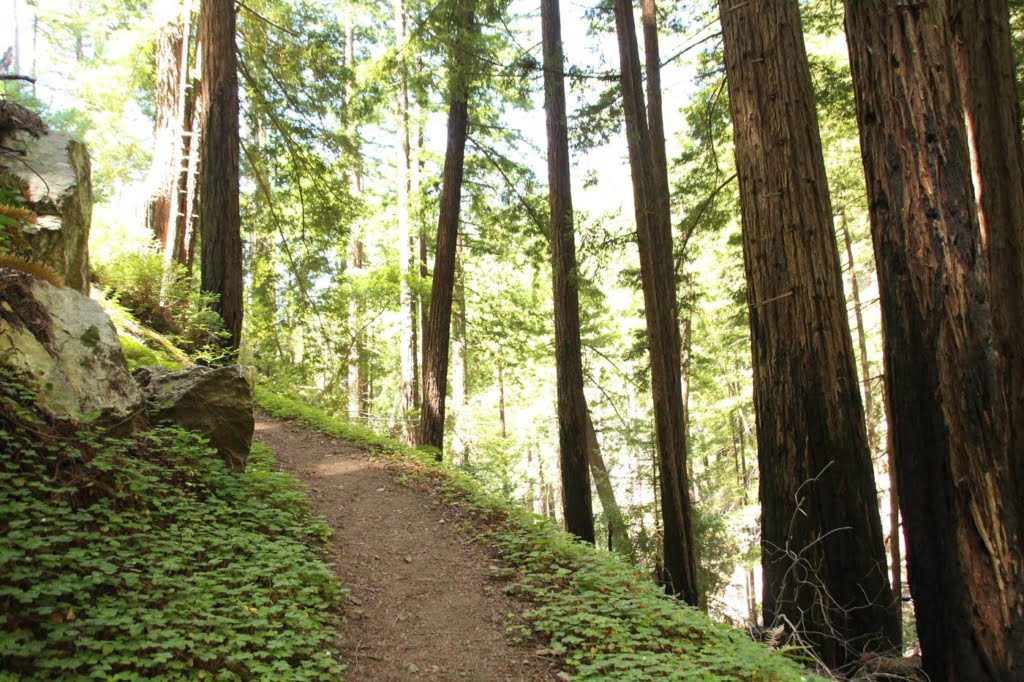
422,606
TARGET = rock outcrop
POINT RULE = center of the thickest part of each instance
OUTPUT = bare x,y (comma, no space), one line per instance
216,402
66,342
55,174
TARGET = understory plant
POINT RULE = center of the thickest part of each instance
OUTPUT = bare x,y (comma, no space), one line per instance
147,558
164,298
603,618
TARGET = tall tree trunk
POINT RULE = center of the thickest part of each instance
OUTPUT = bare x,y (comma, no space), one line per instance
458,357
572,405
221,254
948,413
358,386
185,201
654,238
822,550
985,63
177,200
187,220
422,238
874,444
17,37
438,332
169,103
408,311
502,424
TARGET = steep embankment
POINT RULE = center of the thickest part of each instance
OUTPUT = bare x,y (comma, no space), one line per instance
595,615
146,558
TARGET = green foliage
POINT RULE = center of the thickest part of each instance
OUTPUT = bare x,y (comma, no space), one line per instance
140,355
147,558
603,618
168,301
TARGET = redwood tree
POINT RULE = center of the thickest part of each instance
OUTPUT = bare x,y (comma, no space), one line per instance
219,221
572,404
165,169
986,68
408,306
948,413
437,334
657,274
821,536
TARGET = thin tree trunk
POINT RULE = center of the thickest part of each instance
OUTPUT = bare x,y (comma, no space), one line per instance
654,238
358,387
530,501
17,37
502,425
219,220
409,351
357,384
459,370
422,229
862,340
985,62
822,550
187,226
874,444
438,332
571,404
620,540
948,412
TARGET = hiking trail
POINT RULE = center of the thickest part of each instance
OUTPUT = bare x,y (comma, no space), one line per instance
422,605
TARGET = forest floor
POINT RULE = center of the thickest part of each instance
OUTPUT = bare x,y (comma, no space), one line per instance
422,604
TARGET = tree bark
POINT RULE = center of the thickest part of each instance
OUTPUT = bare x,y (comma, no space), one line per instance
438,332
948,412
822,551
654,239
165,169
573,419
985,63
221,254
408,310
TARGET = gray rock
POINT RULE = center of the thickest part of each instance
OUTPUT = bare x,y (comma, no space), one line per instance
65,341
216,402
56,169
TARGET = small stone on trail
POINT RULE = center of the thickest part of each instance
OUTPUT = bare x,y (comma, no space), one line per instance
408,559
412,668
380,490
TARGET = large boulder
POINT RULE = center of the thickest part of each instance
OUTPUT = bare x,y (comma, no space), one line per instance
54,172
67,343
216,402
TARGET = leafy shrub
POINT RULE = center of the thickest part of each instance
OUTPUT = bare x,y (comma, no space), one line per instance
604,618
170,304
140,355
146,558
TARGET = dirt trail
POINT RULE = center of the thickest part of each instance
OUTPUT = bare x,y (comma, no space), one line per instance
422,606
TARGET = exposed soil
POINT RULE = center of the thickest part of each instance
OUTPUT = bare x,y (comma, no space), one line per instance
422,605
